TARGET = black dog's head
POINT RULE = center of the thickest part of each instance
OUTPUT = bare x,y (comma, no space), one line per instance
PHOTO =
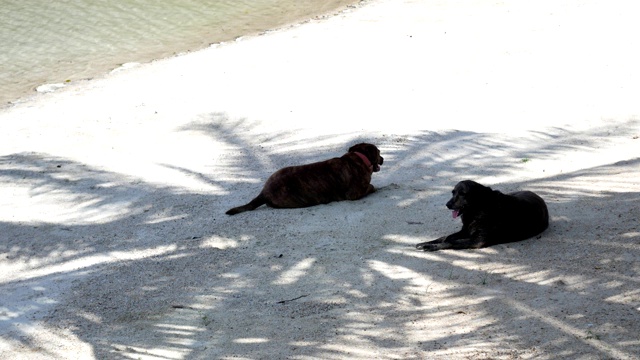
465,195
371,152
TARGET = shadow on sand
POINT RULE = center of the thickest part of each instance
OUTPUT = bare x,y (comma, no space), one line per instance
149,271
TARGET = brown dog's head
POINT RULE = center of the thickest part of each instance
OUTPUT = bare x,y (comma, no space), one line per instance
465,195
371,152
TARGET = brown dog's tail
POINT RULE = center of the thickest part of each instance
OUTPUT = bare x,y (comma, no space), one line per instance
252,205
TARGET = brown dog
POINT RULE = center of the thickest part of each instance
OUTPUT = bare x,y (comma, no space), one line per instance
490,217
344,178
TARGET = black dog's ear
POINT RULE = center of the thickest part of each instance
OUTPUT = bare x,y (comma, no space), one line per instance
477,191
464,187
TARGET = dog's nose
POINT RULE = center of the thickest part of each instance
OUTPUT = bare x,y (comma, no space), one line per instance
450,204
381,160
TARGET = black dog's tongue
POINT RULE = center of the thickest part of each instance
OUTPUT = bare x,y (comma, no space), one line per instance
455,213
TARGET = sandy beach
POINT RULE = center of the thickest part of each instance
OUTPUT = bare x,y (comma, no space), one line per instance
114,243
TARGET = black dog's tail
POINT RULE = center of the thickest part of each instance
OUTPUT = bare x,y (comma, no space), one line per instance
258,201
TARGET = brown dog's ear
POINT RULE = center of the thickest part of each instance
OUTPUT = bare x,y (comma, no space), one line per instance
366,150
354,148
362,148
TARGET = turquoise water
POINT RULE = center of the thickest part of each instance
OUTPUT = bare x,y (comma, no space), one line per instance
44,42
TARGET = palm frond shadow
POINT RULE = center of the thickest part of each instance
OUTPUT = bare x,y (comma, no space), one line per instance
195,283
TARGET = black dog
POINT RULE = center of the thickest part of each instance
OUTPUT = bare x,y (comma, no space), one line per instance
490,217
344,178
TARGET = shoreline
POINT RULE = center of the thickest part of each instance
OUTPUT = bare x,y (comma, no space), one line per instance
145,56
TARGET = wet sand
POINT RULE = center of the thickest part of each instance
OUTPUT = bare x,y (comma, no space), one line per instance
48,46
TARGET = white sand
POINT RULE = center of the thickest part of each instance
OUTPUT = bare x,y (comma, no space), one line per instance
113,238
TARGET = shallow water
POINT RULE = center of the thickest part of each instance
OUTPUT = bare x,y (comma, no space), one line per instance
44,42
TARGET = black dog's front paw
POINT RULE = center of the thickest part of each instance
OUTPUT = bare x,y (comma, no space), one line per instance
434,245
427,246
